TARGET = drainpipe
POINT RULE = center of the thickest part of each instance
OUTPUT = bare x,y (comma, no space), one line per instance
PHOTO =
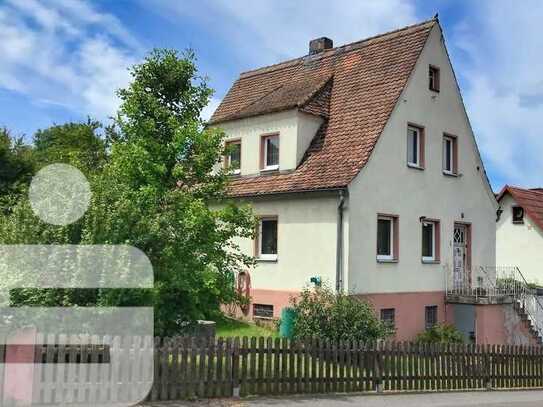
339,243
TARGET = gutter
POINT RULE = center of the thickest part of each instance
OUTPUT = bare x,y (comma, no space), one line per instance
339,243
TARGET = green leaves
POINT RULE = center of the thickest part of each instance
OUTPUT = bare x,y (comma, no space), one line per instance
336,316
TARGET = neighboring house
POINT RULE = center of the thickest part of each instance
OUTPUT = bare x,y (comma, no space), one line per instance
519,231
363,168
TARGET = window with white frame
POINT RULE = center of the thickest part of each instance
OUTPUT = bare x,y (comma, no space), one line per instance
386,231
267,239
449,155
430,241
270,152
415,147
232,160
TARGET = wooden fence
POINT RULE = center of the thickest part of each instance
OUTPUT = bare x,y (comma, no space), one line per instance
189,367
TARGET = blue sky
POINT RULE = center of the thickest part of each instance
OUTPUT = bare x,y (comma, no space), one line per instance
63,59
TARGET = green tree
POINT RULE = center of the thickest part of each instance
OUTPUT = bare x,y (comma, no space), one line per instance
160,191
74,143
323,313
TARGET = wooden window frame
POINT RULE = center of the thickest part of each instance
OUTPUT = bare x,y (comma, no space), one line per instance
263,316
258,240
454,152
421,141
434,85
263,150
382,312
227,160
394,257
436,243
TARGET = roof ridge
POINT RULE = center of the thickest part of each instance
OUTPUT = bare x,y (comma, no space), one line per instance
332,51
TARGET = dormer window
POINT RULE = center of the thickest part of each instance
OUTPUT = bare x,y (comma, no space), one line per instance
518,214
433,78
232,160
415,146
270,152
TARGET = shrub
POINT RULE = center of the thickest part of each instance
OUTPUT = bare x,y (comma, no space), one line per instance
322,313
440,333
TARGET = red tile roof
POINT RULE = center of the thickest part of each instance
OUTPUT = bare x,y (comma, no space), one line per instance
529,199
356,86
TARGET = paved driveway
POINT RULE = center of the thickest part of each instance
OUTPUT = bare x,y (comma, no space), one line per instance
471,399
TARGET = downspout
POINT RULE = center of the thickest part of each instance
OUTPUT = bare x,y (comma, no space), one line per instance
339,243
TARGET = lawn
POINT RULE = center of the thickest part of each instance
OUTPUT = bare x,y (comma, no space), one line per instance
230,327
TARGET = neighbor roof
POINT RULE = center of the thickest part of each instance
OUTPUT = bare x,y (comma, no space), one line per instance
529,199
354,87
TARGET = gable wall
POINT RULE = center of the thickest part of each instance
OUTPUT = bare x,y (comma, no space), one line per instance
387,185
519,245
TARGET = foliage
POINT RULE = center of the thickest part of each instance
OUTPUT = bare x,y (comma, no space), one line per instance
320,312
157,190
73,143
440,333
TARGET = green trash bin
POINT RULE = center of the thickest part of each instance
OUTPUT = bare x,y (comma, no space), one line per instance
286,329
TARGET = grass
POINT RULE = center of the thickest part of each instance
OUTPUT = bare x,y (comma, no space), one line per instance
231,327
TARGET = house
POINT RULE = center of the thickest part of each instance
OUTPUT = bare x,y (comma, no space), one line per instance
519,231
363,169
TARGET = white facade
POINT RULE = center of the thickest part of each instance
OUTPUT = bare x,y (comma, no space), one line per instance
519,244
387,185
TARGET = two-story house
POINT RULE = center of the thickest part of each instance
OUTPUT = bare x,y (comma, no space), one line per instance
363,168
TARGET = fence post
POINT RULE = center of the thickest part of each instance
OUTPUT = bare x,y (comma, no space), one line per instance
235,369
377,360
487,371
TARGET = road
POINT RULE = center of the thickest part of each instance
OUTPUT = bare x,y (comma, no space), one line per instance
467,399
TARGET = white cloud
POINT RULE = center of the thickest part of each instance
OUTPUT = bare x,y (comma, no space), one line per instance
207,111
270,31
66,53
502,65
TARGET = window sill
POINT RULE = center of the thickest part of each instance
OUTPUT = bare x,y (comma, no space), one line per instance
263,318
450,174
517,222
270,168
387,260
266,260
430,261
433,90
415,166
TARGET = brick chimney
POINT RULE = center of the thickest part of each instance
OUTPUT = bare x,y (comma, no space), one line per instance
319,45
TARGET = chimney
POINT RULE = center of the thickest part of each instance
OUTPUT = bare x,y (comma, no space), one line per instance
319,45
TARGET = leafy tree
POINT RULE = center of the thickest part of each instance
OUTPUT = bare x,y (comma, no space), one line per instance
320,312
16,164
160,191
73,143
440,333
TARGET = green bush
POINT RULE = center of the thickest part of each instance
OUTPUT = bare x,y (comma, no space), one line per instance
322,313
441,333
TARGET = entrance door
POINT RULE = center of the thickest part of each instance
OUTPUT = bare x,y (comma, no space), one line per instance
460,248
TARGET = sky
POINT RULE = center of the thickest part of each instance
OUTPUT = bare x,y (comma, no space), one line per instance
62,60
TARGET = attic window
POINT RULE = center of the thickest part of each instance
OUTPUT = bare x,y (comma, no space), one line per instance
415,146
269,150
518,214
232,161
433,78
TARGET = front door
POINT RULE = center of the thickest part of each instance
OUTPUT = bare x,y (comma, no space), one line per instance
460,247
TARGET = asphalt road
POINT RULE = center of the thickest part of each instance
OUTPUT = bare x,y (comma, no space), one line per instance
468,399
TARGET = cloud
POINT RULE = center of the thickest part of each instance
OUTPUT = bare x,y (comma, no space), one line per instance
269,31
501,63
66,53
207,111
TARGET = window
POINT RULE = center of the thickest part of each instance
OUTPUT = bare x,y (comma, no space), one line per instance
387,238
450,158
415,147
263,310
267,239
388,317
430,316
270,152
433,78
430,241
518,214
232,161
